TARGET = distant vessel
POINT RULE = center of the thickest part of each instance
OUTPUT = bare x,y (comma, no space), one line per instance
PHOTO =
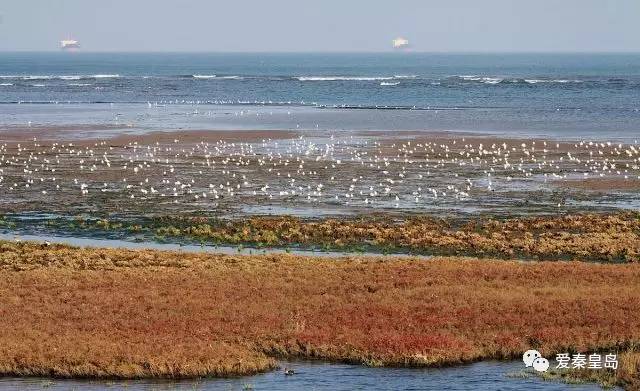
400,43
69,45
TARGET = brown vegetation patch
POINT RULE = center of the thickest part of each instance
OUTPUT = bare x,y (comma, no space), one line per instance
117,313
599,237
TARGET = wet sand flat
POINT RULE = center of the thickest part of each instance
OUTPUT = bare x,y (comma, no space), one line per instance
232,172
603,184
120,135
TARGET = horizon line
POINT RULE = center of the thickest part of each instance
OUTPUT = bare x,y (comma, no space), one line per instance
390,51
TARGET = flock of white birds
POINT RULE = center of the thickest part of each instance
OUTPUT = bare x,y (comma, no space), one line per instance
342,170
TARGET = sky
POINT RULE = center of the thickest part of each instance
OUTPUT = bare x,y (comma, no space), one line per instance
321,26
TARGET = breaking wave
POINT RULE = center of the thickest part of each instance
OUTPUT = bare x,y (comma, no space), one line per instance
58,77
343,78
107,76
507,80
562,81
216,77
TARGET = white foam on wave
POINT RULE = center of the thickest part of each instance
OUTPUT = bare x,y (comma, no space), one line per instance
496,80
38,85
6,84
12,77
35,77
105,76
561,81
343,78
491,80
207,77
79,84
58,77
386,83
482,79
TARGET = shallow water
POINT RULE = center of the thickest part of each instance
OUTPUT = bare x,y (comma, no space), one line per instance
140,118
230,250
489,375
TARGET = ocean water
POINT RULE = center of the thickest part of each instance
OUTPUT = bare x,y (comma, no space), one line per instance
559,95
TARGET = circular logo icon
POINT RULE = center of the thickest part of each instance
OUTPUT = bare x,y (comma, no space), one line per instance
529,356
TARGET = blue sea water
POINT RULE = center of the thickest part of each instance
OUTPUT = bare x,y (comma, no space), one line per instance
562,95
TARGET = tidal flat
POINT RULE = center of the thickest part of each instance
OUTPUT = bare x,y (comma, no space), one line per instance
446,249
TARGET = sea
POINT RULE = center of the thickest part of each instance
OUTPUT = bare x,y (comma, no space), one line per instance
566,96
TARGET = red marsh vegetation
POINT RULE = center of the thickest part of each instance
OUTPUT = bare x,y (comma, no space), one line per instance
72,312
